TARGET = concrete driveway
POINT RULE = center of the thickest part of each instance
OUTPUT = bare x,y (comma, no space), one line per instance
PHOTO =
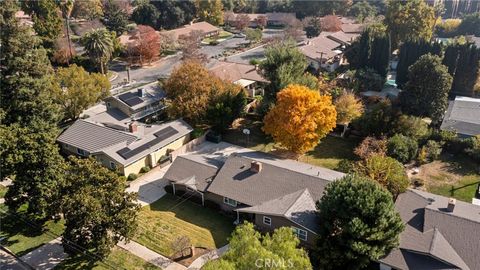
150,186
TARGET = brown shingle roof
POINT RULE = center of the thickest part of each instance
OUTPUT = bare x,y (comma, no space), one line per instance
320,46
233,72
187,29
187,168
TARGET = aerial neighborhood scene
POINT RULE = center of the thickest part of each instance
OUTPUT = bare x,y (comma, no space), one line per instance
240,134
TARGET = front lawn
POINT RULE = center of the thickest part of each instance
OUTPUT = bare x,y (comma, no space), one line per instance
118,259
21,235
328,153
223,35
170,217
452,176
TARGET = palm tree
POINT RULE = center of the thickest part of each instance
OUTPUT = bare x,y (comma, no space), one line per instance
98,45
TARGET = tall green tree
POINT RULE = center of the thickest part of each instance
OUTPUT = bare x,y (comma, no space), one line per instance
227,107
313,27
174,13
470,25
409,20
362,10
76,90
284,65
26,73
145,14
357,224
248,249
210,11
98,212
463,62
115,18
410,52
47,19
426,92
99,46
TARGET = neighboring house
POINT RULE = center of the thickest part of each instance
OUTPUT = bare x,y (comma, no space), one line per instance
126,151
323,52
277,19
352,28
207,29
258,187
248,76
140,102
463,117
440,233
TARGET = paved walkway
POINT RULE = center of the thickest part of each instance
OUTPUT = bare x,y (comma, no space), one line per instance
150,186
151,256
47,256
212,255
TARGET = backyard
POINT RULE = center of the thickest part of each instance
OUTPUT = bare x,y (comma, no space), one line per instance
454,176
170,217
328,153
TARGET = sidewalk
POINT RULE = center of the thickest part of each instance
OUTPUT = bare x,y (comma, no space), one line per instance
212,255
9,262
151,256
47,256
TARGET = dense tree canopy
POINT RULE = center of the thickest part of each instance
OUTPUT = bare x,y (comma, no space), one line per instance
248,249
300,118
377,120
362,10
470,25
173,14
284,65
226,107
411,126
87,9
210,11
348,108
47,19
409,20
99,46
146,45
115,17
313,27
98,212
463,62
77,90
426,92
357,224
145,14
387,171
402,148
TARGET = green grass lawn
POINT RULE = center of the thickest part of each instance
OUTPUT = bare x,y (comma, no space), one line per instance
452,176
22,237
3,191
118,259
328,153
168,218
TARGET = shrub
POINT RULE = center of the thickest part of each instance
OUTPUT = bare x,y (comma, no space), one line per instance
214,42
376,121
368,80
345,166
443,136
473,148
402,148
434,149
371,146
411,126
254,62
145,169
132,177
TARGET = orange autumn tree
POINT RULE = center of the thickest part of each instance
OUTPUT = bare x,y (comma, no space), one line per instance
300,118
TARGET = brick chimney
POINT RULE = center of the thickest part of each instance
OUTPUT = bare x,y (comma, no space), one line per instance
256,166
132,127
451,204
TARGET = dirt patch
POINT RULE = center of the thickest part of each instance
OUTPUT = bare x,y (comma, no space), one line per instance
187,260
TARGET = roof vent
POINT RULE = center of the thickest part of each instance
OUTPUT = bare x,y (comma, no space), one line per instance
451,204
140,92
256,166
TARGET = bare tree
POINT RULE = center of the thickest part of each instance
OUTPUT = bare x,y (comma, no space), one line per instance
190,46
180,244
242,21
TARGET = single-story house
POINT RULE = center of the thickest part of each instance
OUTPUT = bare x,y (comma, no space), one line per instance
463,117
126,151
207,29
248,76
440,233
323,52
257,187
140,102
273,18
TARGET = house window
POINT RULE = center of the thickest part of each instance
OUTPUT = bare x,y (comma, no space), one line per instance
267,221
301,234
80,152
230,201
113,166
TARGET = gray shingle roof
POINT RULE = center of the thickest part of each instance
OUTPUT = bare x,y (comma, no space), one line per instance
277,178
92,137
298,207
189,171
463,116
451,238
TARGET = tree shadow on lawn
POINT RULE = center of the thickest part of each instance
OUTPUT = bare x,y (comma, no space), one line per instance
459,164
335,148
220,226
20,224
